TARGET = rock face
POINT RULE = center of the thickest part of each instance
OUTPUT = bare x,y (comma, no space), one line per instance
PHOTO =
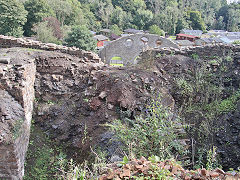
76,98
228,139
16,106
76,95
184,64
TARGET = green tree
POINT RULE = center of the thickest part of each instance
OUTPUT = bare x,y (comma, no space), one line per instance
181,24
233,23
196,20
154,29
12,17
76,16
45,33
168,19
37,10
103,9
142,19
90,19
62,9
118,16
116,30
81,37
220,23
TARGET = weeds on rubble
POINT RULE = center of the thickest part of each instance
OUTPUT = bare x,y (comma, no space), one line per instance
229,58
212,161
45,161
195,56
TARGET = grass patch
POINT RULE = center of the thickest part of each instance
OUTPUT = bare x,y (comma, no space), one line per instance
43,158
224,106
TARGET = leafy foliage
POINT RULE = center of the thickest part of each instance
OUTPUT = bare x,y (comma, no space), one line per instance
81,37
12,18
196,20
37,10
45,33
152,133
154,29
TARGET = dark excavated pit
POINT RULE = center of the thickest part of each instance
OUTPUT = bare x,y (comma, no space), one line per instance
74,97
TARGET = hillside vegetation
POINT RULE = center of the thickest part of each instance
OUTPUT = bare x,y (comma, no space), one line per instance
52,20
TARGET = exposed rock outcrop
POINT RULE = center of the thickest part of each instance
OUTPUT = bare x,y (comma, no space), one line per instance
76,93
16,106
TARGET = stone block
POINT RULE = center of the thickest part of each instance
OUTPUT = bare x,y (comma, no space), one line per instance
5,60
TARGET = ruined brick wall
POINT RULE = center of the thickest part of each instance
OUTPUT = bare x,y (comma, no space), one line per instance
9,42
129,47
202,52
16,106
17,78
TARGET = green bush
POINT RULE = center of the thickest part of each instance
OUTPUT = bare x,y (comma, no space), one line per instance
12,18
236,42
154,29
81,37
45,34
154,133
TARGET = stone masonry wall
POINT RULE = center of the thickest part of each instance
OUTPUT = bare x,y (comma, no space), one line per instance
203,52
9,42
17,77
129,47
16,106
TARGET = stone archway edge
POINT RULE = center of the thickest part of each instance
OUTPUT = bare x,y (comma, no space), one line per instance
129,47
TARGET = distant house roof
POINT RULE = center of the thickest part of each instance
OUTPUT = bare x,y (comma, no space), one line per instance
187,35
106,43
207,40
233,37
223,33
100,37
114,36
217,40
225,40
133,31
105,30
191,32
233,34
184,42
217,31
93,32
124,35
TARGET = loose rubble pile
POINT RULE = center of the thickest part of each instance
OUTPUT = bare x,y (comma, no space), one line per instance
167,169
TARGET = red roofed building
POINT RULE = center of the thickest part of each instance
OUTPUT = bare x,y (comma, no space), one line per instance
187,37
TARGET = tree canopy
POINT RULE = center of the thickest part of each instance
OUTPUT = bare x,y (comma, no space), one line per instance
12,17
158,16
81,37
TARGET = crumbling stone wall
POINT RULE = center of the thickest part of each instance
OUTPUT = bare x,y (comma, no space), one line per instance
81,90
16,105
201,52
9,42
129,47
